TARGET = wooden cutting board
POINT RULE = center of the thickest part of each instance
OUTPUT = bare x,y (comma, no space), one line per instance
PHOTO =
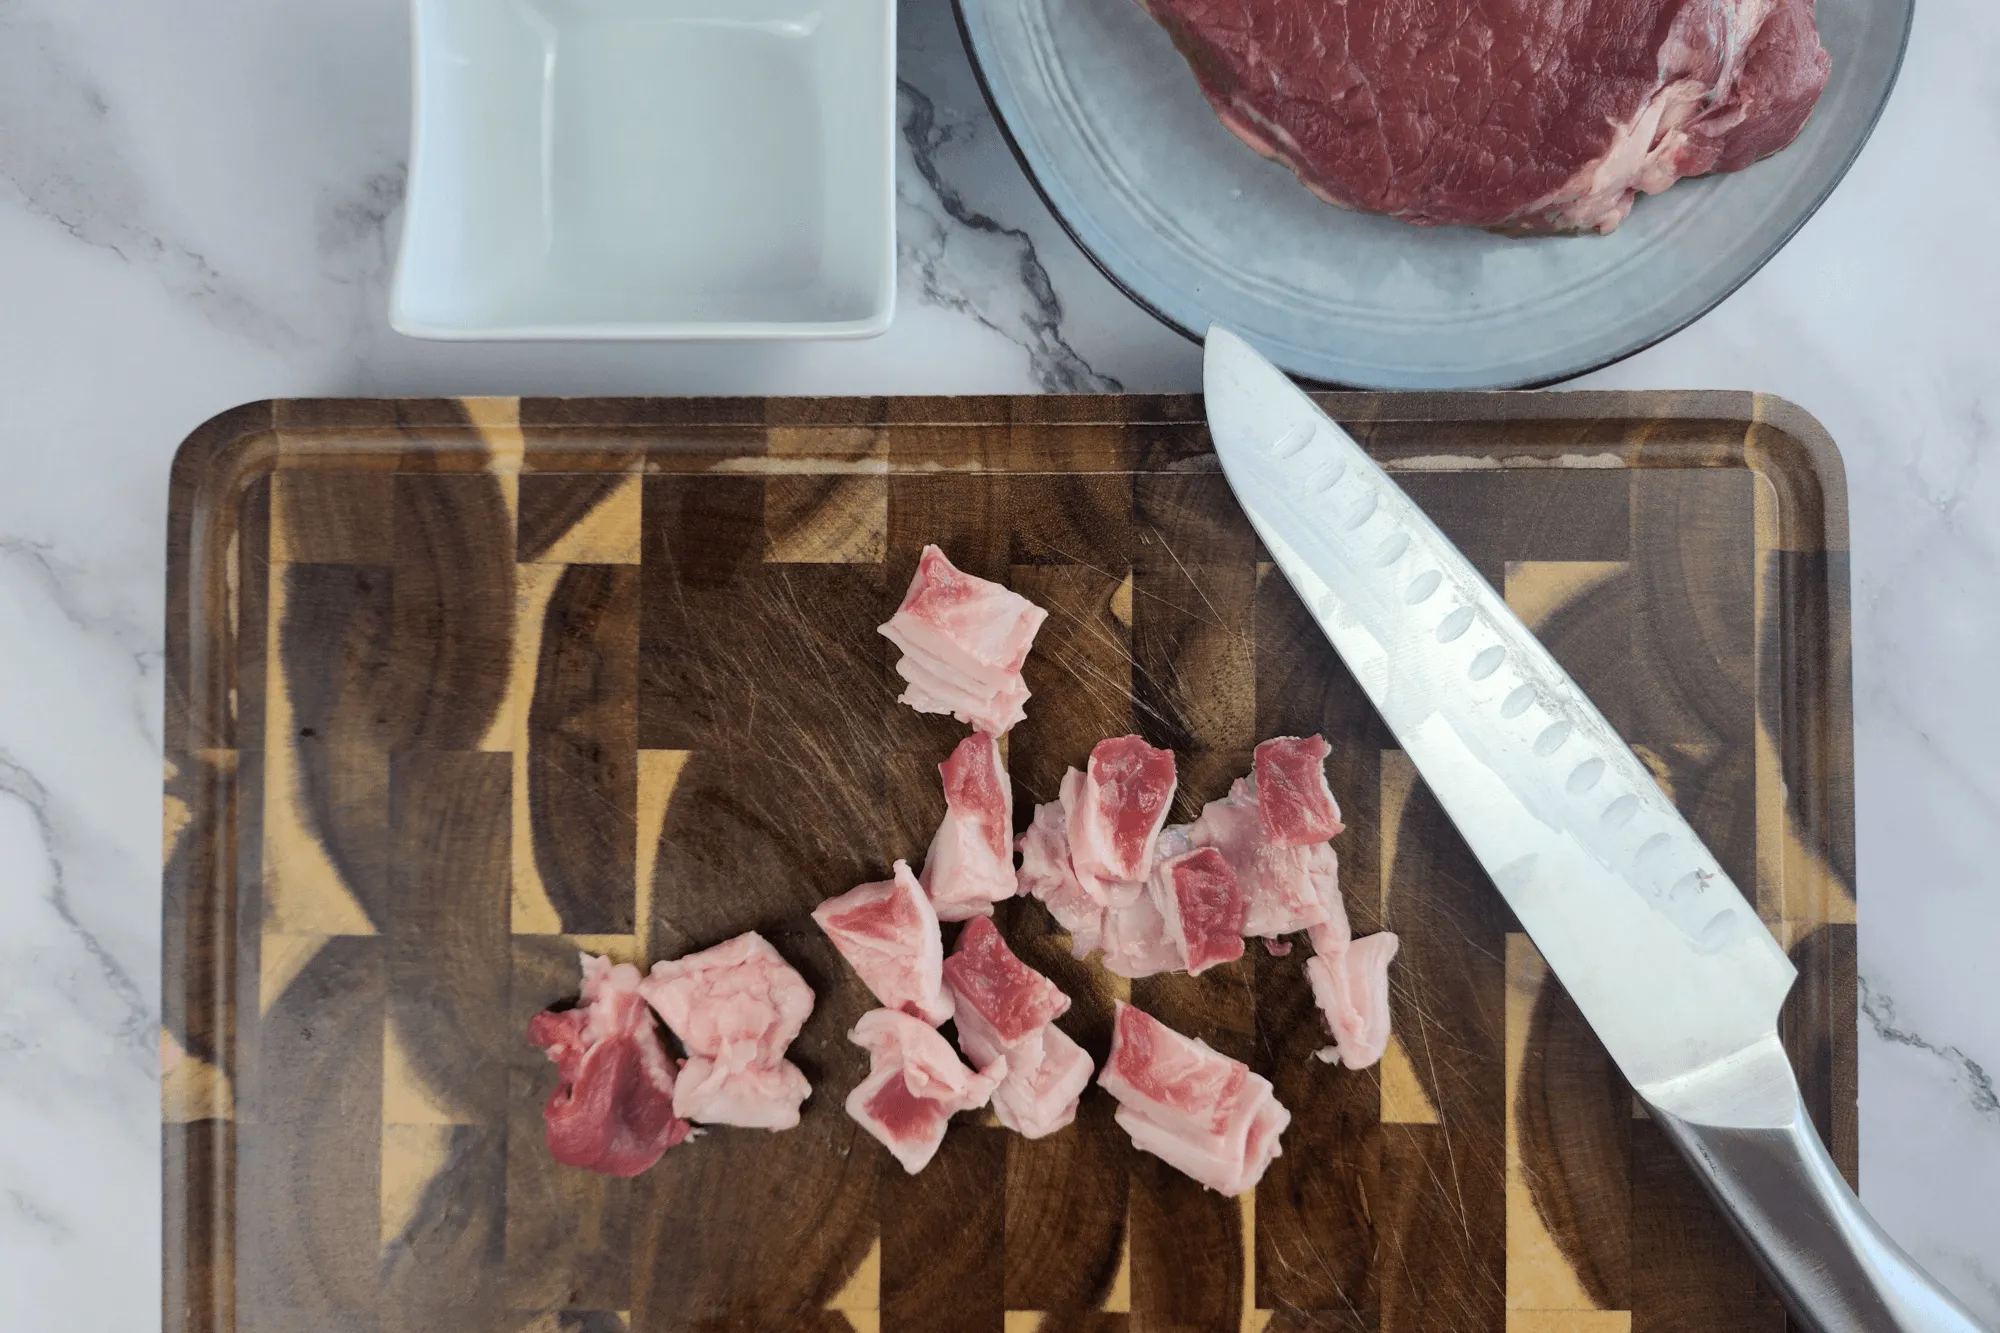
457,688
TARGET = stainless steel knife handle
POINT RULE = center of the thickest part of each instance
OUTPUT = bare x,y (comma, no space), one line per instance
1832,1264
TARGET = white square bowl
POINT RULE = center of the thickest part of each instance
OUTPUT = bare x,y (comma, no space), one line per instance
650,169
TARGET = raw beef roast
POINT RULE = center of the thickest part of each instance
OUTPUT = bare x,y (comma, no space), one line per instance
1522,115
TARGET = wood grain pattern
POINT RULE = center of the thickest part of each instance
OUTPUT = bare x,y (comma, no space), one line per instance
1569,1130
1443,1185
583,753
1065,1231
459,687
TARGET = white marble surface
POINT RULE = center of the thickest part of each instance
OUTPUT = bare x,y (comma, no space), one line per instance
197,202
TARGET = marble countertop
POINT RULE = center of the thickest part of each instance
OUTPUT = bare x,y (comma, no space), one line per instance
197,206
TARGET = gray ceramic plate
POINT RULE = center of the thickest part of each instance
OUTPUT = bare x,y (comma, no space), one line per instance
1107,119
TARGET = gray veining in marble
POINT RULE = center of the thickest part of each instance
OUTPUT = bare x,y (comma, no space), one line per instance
971,264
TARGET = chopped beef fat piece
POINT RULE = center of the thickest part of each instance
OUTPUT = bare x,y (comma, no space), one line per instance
915,1084
1106,893
1231,825
930,1066
1118,812
1180,1082
1046,1076
994,704
1279,889
1222,1165
970,864
1046,875
1286,889
750,1097
1351,986
1007,1009
1188,1104
975,782
963,641
1072,849
736,1007
613,1107
888,933
912,1128
993,989
1137,942
1293,799
1202,903
739,1002
1323,870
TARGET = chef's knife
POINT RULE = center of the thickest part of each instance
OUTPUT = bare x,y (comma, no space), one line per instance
1668,963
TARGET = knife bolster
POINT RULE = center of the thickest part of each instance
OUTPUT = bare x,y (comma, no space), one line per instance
1741,1124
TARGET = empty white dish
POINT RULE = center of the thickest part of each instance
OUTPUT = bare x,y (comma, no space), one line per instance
650,169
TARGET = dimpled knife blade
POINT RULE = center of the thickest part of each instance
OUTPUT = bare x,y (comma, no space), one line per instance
1659,949
1668,963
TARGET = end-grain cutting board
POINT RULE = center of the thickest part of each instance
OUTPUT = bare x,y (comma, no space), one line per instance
457,688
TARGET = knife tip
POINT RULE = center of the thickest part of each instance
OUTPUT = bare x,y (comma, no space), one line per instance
1226,360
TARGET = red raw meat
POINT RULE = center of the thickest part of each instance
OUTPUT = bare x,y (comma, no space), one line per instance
1526,115
613,1107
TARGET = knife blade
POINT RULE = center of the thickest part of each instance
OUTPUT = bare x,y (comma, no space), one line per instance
1660,950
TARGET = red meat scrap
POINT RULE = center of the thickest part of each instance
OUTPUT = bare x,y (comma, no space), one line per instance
613,1107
